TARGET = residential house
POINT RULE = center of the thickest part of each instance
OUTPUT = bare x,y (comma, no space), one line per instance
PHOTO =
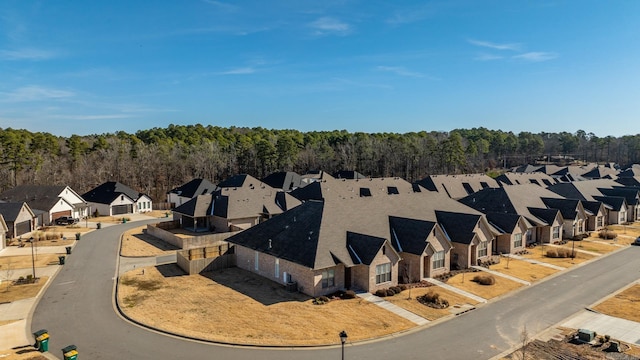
525,200
458,186
114,198
514,231
537,178
239,203
18,217
188,191
363,242
48,202
4,229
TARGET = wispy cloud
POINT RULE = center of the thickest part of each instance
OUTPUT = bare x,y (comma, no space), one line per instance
491,45
92,117
330,26
407,16
238,71
399,70
488,57
36,93
222,5
26,54
536,56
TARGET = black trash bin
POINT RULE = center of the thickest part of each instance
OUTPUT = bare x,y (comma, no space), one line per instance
61,259
68,248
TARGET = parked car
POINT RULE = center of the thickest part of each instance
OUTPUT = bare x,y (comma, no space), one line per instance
66,220
636,241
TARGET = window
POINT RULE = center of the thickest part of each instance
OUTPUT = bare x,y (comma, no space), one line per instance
256,263
121,197
328,278
556,232
277,269
580,227
623,217
438,259
599,221
383,273
482,249
517,240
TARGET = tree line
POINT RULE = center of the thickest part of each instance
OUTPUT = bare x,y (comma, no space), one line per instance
156,160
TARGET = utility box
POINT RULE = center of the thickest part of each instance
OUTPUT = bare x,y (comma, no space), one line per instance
70,352
586,335
42,340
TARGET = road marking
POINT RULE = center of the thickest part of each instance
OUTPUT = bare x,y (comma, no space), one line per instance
67,283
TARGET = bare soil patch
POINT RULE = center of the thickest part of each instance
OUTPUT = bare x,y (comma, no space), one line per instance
10,292
236,306
136,242
464,282
411,304
24,261
623,305
522,269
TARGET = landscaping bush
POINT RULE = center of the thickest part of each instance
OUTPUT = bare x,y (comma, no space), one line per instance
320,300
390,292
403,287
552,253
559,253
396,289
607,234
381,292
432,299
484,279
349,294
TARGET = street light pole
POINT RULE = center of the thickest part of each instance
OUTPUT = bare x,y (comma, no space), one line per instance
33,263
343,339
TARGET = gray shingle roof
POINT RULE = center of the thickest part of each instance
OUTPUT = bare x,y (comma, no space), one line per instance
39,197
107,192
194,188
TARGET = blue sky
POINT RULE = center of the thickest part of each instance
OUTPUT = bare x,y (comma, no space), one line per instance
91,67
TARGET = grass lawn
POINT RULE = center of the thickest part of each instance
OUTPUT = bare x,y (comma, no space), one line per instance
539,253
24,261
502,285
25,353
137,243
18,292
522,269
623,305
402,300
595,245
233,305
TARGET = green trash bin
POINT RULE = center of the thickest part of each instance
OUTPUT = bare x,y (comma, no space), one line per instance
99,226
70,352
77,236
61,260
124,220
42,340
68,248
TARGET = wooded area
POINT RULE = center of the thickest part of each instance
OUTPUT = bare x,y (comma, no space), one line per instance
157,160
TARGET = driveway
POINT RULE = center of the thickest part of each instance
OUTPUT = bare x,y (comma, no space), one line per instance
78,309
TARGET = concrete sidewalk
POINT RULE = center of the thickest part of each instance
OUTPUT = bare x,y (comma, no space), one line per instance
26,251
620,329
393,308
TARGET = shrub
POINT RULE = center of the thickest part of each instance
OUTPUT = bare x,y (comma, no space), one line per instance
381,292
396,289
559,253
484,279
433,299
390,292
349,294
324,298
607,234
552,253
403,287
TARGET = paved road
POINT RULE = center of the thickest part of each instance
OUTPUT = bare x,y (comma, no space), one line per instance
77,309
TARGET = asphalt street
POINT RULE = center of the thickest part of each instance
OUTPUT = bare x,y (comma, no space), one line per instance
78,309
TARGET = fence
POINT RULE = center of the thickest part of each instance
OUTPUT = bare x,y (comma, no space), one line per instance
195,261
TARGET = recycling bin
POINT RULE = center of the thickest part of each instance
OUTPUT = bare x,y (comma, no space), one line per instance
70,352
61,260
42,340
99,226
68,248
77,236
124,220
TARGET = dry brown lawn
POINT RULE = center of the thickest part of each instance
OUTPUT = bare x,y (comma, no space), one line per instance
18,292
236,306
402,300
522,269
539,253
502,285
591,244
5,322
623,305
24,353
24,261
137,243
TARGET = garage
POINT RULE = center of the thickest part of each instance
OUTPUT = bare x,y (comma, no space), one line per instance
60,214
23,228
120,209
